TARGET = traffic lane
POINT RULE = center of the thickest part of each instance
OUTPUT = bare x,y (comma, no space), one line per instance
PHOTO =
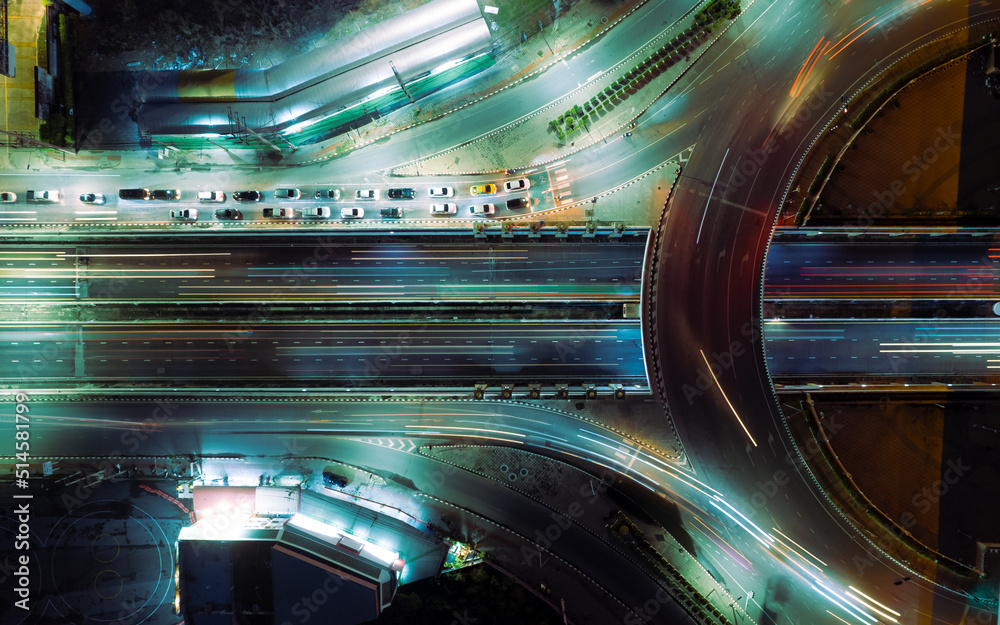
347,353
804,347
718,225
323,271
706,301
603,562
920,268
38,273
170,427
33,351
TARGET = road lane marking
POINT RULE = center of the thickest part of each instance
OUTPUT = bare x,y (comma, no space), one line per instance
726,155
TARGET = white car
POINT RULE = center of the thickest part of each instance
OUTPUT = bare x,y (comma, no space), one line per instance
521,184
279,213
50,197
316,212
184,214
7,197
211,196
327,194
287,194
444,209
366,194
482,209
92,198
352,212
441,191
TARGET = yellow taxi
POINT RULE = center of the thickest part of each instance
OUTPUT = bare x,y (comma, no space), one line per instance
483,189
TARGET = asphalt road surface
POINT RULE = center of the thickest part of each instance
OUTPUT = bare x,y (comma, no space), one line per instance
845,349
924,266
341,354
324,269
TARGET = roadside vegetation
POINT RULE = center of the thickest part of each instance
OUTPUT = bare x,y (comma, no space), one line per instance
705,20
216,34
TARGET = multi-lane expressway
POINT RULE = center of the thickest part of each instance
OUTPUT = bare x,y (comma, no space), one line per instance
313,267
356,353
732,104
890,264
834,289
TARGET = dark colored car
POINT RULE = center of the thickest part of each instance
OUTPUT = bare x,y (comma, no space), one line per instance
391,212
248,196
328,194
166,194
518,202
228,213
402,194
334,480
134,194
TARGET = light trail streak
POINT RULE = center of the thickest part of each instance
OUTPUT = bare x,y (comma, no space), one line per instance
489,438
796,91
454,427
732,551
857,613
864,596
767,537
731,407
740,523
798,545
148,255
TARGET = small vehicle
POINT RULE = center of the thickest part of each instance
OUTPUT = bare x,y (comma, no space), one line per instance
166,194
441,191
134,194
483,189
43,196
352,212
334,480
401,194
287,194
279,213
521,184
366,194
518,202
228,213
316,212
391,212
92,198
626,135
248,196
482,209
184,214
444,209
328,194
7,197
211,196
